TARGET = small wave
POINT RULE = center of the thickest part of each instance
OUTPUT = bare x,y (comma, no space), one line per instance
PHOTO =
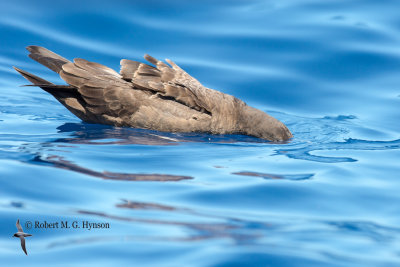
268,176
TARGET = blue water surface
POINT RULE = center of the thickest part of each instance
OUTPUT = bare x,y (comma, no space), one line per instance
330,70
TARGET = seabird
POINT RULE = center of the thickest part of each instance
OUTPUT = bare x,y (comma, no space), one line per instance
159,97
21,236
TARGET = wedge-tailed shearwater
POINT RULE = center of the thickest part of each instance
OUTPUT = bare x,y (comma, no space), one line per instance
21,236
161,97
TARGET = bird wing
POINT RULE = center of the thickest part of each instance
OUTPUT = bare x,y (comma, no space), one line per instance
103,89
168,81
19,227
47,57
23,244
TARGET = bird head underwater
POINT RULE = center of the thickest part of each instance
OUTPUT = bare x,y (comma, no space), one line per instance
257,123
158,97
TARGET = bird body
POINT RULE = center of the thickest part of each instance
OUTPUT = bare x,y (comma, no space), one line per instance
160,97
21,235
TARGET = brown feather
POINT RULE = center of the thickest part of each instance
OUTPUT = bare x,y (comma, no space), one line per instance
47,58
71,68
128,68
33,78
163,98
93,92
95,68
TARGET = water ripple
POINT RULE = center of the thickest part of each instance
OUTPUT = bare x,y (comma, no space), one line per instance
294,177
349,144
65,38
328,197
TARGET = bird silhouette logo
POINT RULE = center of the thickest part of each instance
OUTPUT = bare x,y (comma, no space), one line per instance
21,235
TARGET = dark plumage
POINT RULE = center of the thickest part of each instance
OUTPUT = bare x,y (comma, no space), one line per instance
160,97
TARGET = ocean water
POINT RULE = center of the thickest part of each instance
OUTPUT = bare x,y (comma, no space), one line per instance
330,70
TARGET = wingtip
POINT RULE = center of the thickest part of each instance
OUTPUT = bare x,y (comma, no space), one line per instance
31,48
151,59
146,56
173,64
18,70
169,61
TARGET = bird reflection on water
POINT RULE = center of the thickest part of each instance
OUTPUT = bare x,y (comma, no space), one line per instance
85,133
95,134
59,162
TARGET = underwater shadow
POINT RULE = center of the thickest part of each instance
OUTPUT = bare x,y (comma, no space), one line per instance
238,230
